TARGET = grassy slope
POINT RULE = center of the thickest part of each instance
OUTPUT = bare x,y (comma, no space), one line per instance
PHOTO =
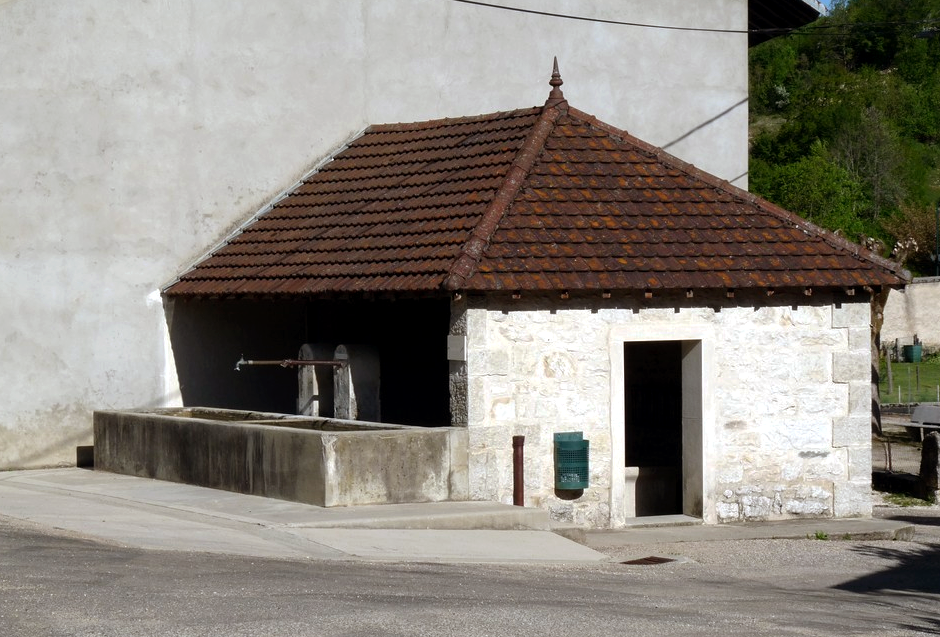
906,377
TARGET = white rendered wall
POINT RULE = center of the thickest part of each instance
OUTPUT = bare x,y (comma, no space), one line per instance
785,413
913,310
136,135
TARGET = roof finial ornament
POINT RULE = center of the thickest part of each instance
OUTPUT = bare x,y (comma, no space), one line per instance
556,96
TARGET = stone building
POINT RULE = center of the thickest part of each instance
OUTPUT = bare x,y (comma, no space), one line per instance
539,271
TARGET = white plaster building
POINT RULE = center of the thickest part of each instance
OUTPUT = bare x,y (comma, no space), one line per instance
912,311
133,135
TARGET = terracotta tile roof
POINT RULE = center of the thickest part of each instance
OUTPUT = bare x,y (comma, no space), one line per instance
545,198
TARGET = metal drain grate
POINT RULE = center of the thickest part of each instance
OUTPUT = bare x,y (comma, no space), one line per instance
647,561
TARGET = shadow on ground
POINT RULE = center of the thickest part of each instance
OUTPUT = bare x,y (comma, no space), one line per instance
922,520
914,571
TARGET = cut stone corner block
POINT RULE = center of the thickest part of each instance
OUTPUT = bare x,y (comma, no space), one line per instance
851,366
852,431
852,499
851,315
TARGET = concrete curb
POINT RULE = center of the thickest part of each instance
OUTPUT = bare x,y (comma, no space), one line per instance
855,529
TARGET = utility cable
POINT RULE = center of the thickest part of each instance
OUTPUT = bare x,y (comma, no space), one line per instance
598,20
804,30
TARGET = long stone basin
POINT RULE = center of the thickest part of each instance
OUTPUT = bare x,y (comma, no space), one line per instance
321,461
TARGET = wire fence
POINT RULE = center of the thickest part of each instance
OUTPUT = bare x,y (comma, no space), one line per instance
910,383
907,393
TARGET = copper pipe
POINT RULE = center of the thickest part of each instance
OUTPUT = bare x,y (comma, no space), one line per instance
518,497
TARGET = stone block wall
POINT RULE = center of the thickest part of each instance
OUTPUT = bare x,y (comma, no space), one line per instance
535,373
793,419
785,403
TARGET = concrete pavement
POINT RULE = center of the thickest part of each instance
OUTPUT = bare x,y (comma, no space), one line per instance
153,514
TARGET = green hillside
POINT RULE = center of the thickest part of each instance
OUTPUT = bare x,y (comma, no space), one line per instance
845,122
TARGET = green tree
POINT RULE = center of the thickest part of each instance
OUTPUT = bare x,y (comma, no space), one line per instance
869,150
847,116
816,188
918,223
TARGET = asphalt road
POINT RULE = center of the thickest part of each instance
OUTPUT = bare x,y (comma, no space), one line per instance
57,585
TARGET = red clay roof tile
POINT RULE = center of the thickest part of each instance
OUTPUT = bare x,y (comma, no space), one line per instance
539,199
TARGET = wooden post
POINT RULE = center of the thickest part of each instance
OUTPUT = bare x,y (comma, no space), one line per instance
890,375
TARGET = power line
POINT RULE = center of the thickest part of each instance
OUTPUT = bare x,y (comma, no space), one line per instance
598,20
820,30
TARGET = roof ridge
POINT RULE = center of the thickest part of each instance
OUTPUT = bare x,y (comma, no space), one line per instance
789,217
471,253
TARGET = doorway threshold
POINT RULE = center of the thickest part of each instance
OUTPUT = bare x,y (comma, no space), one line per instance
652,521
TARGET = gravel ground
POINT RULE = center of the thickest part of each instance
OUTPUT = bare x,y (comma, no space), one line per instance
795,563
53,585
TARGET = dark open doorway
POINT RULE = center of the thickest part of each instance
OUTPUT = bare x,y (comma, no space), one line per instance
653,424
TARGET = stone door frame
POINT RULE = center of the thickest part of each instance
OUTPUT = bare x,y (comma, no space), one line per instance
698,414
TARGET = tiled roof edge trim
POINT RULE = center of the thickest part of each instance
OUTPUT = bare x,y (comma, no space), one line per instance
792,218
407,127
465,265
168,288
833,239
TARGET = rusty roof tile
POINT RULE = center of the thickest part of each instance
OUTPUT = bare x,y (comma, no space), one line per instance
544,198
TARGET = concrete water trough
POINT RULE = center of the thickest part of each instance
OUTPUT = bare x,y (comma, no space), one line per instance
321,461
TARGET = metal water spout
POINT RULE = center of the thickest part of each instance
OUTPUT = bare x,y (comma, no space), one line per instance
288,362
